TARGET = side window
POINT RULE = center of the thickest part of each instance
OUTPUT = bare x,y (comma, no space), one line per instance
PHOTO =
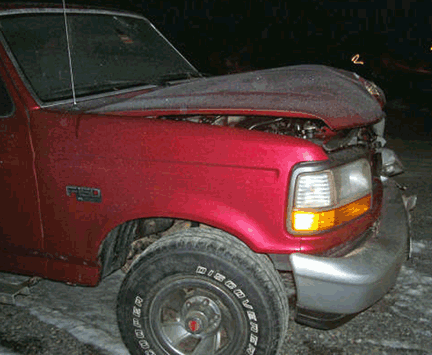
6,103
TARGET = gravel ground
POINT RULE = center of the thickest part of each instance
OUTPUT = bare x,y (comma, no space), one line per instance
61,319
24,333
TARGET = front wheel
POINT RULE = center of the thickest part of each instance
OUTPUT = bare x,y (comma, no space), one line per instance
202,291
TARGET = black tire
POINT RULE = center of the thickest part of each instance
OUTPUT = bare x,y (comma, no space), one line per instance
202,292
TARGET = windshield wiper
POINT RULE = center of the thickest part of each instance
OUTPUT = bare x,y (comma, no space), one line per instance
173,77
108,85
100,87
115,85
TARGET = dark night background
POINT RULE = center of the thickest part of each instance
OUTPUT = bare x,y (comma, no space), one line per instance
274,33
392,37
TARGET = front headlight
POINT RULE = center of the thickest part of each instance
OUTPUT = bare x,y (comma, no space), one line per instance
326,199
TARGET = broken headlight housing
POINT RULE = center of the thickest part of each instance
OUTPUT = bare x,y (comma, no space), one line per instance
323,199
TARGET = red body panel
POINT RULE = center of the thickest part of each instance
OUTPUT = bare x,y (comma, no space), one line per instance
149,167
19,220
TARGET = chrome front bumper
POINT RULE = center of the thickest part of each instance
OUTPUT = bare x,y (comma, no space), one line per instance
352,283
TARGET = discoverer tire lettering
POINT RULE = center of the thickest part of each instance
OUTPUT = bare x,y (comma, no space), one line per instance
202,291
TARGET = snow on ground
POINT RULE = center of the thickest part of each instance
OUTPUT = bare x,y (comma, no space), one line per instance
4,351
87,313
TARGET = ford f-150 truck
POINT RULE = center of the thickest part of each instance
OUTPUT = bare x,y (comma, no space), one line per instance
115,149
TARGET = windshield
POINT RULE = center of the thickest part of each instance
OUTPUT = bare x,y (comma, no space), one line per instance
108,52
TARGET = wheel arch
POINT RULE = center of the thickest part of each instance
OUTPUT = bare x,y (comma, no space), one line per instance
115,244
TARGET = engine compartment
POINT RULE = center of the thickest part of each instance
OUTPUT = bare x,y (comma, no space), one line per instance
314,130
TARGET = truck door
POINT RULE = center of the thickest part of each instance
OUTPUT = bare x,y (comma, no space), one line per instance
20,223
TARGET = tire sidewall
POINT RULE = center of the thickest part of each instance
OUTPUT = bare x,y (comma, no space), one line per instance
238,281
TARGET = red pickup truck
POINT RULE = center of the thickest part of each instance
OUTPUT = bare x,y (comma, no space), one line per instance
111,141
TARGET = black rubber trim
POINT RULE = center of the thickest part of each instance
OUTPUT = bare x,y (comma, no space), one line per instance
115,248
319,320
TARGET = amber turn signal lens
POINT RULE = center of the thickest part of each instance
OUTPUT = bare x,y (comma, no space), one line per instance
312,221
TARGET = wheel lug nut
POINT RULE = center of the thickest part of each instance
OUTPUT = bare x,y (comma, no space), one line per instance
188,304
206,302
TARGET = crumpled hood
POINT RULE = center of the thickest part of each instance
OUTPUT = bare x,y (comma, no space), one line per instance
336,96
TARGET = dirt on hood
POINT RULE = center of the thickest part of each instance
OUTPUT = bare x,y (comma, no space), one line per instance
336,96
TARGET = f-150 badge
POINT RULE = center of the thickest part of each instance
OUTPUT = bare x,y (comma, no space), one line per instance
82,193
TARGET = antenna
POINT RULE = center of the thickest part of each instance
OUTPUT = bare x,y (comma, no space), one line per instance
69,54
